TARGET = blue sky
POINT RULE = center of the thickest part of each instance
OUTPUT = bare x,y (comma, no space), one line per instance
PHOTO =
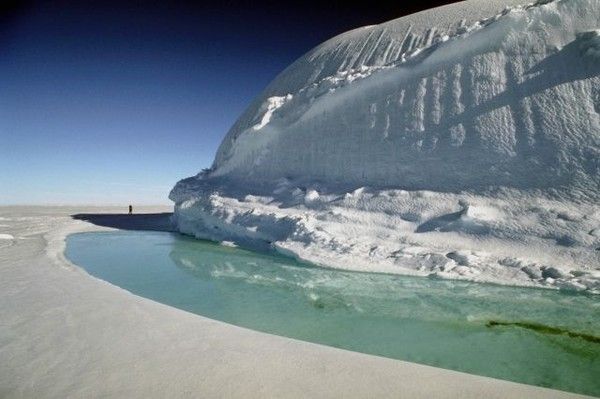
112,103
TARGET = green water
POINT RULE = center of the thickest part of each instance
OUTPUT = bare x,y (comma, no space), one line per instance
437,322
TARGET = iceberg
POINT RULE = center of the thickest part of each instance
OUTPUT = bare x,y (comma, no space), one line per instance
459,142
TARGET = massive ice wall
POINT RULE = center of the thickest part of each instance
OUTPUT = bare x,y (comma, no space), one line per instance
437,101
461,142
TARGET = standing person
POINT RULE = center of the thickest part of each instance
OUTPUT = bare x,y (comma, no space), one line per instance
130,209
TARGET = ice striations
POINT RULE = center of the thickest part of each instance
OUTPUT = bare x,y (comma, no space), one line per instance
460,142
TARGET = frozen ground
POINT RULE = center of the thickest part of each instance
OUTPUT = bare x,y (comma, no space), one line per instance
66,334
461,142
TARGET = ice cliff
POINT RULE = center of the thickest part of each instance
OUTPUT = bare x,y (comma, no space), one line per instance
461,142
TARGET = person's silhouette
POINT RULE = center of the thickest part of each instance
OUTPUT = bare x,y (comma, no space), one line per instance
130,209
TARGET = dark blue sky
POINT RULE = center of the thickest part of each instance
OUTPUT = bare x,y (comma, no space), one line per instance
113,102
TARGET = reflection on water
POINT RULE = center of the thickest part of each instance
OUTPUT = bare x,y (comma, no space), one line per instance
437,322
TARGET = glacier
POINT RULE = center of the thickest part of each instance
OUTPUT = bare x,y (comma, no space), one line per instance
459,142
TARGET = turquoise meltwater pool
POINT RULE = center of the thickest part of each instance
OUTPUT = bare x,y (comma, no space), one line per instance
540,337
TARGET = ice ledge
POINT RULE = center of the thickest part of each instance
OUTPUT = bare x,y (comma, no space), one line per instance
514,239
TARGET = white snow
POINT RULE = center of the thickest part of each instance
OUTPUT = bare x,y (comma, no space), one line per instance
461,142
271,106
6,239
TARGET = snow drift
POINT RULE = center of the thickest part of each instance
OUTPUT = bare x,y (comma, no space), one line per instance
462,142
